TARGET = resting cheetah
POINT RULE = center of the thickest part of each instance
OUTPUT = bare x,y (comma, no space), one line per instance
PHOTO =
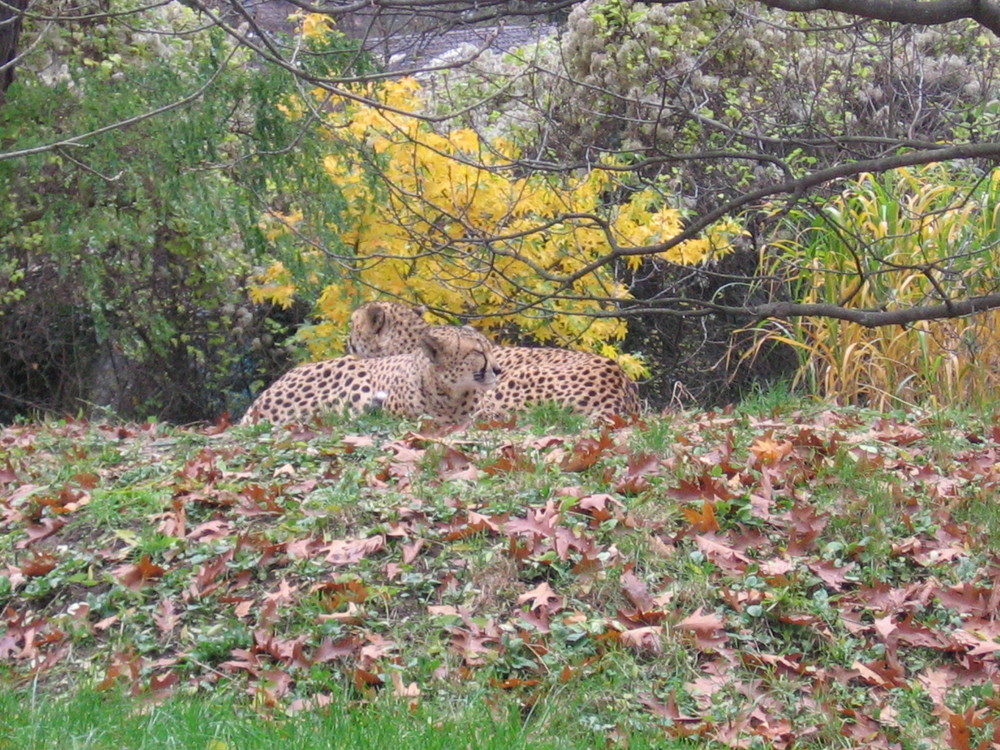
442,378
587,383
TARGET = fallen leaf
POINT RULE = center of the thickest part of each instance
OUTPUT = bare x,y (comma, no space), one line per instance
40,564
647,639
720,553
136,576
637,592
769,451
703,520
542,597
349,551
166,617
708,630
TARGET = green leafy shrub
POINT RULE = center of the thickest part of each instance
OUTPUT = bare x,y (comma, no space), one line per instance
125,254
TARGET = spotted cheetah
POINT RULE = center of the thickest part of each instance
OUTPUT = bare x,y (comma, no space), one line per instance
441,378
586,383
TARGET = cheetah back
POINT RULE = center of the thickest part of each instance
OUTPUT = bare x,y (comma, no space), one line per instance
330,386
584,382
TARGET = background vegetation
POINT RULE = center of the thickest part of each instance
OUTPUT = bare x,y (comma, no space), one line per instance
184,189
919,220
126,255
718,194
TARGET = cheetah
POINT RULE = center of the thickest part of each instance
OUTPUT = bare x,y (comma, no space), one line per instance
586,383
441,378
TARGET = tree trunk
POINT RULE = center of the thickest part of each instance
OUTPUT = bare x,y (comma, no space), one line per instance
11,12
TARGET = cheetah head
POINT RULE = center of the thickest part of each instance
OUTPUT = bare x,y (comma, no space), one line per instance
382,329
461,357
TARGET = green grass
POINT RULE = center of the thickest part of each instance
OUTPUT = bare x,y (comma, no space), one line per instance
111,721
782,569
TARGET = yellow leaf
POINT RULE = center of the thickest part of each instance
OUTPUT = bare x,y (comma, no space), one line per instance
315,25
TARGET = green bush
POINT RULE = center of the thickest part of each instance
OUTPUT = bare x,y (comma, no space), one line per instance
125,257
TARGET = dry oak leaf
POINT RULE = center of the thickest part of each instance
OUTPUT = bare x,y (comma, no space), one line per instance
601,506
722,554
708,630
830,574
349,551
637,592
41,530
353,442
706,487
283,595
135,576
320,700
586,452
776,568
769,451
542,597
882,674
165,616
42,563
666,709
704,520
329,649
410,691
411,550
647,639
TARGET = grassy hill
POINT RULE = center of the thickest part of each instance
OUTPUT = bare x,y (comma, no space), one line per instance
773,576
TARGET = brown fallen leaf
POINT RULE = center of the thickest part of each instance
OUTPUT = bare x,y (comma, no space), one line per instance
349,551
637,592
721,553
45,528
666,709
40,564
410,691
135,576
708,630
543,598
647,639
703,521
166,617
769,451
586,452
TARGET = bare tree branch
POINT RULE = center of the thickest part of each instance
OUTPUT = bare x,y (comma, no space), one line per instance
925,12
794,188
875,318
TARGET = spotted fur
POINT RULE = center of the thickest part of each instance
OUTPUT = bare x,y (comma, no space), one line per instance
587,383
441,378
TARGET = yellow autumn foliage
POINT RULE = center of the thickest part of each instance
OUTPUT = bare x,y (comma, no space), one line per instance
274,285
449,225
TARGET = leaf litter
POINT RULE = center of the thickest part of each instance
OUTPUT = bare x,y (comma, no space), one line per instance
772,580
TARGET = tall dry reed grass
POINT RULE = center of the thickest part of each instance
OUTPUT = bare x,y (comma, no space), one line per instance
912,237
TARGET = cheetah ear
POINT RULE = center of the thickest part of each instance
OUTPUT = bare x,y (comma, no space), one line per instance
376,317
419,310
433,346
